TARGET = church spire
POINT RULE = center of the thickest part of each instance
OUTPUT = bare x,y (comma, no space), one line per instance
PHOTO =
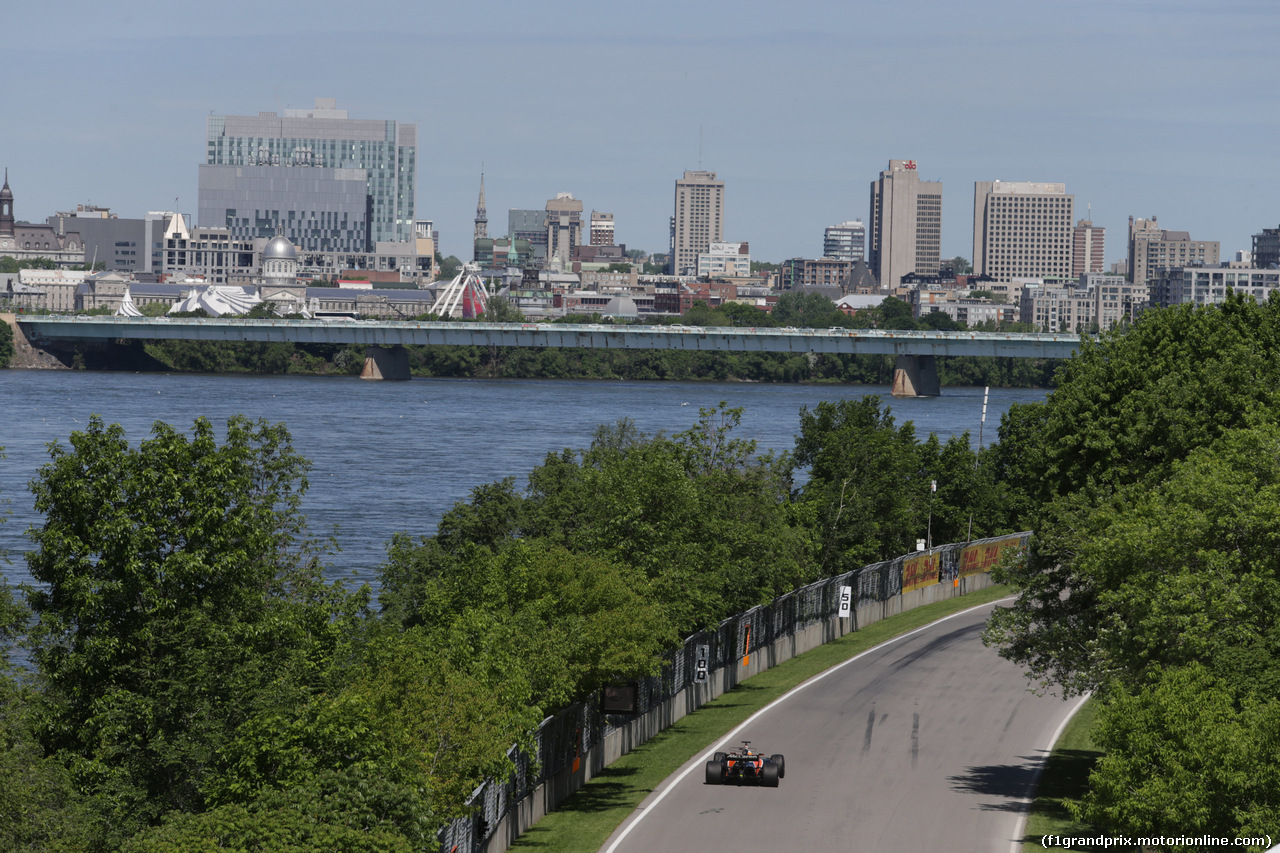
482,218
6,206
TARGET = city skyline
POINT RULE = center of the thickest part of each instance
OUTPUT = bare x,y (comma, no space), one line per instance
1146,109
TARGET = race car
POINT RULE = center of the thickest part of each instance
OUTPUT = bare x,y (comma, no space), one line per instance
746,766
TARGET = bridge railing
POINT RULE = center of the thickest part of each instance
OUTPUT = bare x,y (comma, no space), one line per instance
565,739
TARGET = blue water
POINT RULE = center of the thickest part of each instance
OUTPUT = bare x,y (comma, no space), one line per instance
393,456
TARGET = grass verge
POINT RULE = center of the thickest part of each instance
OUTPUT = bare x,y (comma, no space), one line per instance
585,821
1065,777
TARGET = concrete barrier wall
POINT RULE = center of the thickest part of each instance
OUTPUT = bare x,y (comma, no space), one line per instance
625,738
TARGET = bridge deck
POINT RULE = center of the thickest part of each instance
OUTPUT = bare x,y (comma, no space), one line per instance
397,333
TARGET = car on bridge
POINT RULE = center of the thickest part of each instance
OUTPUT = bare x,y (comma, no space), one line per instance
746,766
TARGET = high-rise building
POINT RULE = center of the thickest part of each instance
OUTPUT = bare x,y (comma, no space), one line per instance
325,181
845,242
602,229
906,224
1152,250
564,229
698,220
1022,229
530,226
1088,244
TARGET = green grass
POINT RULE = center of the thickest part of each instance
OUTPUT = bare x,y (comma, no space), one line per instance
1066,776
584,822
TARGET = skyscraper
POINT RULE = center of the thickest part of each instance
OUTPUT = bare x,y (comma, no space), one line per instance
698,220
564,229
1022,229
906,224
325,181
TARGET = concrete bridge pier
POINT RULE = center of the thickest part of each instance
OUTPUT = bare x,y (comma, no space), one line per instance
916,376
385,363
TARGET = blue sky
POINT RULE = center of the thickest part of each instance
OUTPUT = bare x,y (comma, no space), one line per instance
1141,108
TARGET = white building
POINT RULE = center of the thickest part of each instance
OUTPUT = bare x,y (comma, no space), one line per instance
725,259
1209,285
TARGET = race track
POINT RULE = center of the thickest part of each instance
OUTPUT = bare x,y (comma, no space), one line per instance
927,742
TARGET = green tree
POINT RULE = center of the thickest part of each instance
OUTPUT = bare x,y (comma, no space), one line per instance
1186,756
1165,576
6,344
893,313
179,598
499,309
447,268
869,483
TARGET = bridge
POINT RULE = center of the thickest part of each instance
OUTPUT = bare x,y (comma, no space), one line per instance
916,373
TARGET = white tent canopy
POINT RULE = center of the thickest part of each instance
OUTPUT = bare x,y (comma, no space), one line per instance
127,307
217,300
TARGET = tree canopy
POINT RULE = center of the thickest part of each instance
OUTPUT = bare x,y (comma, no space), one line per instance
1151,476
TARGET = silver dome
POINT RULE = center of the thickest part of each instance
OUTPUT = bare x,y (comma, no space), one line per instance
279,248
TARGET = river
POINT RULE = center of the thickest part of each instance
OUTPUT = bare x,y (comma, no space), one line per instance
394,456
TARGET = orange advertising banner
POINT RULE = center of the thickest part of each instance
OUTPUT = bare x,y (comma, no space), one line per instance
975,559
919,572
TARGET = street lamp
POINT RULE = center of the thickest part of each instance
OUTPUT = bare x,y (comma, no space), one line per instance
933,487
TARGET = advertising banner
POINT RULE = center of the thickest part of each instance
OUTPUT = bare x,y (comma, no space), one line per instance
920,571
975,559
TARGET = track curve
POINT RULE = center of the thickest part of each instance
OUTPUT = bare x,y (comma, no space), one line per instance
929,741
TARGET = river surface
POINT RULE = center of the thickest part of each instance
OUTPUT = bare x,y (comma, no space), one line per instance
394,456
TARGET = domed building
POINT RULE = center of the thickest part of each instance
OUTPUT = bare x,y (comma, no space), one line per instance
279,261
278,284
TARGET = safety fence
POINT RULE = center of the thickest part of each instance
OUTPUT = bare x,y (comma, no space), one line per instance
563,740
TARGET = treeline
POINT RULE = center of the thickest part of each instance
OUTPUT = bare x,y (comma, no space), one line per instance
473,362
1151,477
196,684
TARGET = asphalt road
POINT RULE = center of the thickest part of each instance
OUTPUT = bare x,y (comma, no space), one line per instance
927,742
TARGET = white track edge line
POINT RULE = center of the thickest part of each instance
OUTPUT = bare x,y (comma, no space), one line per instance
1021,829
639,814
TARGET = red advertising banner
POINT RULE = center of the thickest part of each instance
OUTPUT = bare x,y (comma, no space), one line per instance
921,571
975,559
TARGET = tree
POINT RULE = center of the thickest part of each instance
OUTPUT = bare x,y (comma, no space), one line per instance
700,517
179,598
959,265
6,344
1135,401
895,314
1165,576
865,482
1185,756
447,268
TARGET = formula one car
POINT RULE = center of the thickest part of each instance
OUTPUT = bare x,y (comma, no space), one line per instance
743,766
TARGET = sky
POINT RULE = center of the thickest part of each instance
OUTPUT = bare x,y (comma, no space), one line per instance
1141,108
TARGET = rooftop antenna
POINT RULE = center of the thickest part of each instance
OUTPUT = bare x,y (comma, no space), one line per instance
699,148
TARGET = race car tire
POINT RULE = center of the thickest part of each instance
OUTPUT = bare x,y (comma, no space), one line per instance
769,776
715,772
720,756
782,765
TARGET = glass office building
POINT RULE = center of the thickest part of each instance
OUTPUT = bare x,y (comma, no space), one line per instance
325,181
